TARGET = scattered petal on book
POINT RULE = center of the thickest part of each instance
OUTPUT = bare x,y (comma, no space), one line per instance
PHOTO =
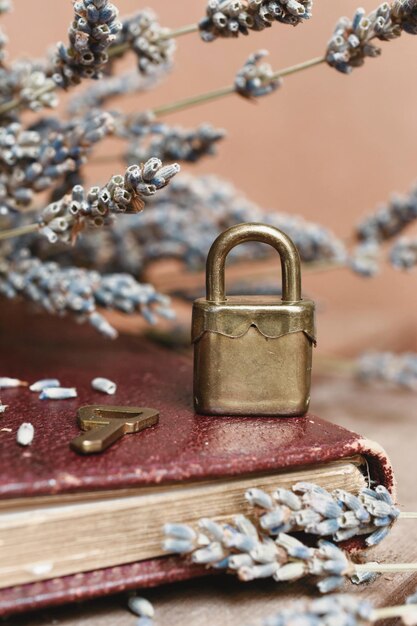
45,383
58,393
9,383
104,385
25,434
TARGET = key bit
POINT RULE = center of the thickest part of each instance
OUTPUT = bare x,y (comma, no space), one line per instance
106,424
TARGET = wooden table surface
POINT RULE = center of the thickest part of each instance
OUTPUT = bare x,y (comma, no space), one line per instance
389,417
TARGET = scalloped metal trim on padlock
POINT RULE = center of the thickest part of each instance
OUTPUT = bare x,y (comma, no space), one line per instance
293,319
253,354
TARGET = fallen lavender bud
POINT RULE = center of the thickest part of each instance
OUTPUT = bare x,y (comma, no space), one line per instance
78,292
141,607
241,549
31,160
256,79
64,220
230,18
314,510
412,599
170,143
93,30
25,434
104,385
386,368
10,383
403,253
352,40
151,43
45,383
58,393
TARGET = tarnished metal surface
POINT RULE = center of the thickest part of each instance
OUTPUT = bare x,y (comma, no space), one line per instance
106,424
253,355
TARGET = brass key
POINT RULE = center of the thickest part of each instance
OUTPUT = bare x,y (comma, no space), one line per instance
106,424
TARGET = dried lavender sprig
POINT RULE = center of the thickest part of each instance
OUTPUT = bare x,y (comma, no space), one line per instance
182,223
314,510
169,230
230,18
166,143
241,549
403,254
152,44
9,105
78,292
31,160
390,219
352,39
109,87
394,370
93,30
25,84
338,609
365,259
186,103
64,220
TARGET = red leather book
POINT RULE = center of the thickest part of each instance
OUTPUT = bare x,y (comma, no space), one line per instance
182,447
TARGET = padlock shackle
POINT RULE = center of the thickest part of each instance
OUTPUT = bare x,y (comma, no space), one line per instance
235,235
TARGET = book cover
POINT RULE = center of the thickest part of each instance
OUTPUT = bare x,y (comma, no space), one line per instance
182,447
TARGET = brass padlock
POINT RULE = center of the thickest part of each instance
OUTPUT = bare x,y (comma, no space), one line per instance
253,354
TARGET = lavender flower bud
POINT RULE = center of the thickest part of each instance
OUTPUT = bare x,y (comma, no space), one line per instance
256,79
230,18
90,35
151,44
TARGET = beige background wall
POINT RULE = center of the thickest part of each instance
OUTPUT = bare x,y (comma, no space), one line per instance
327,146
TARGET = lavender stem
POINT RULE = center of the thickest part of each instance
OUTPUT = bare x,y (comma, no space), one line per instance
180,105
19,231
392,611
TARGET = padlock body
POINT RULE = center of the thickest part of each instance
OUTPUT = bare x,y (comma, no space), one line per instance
253,356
